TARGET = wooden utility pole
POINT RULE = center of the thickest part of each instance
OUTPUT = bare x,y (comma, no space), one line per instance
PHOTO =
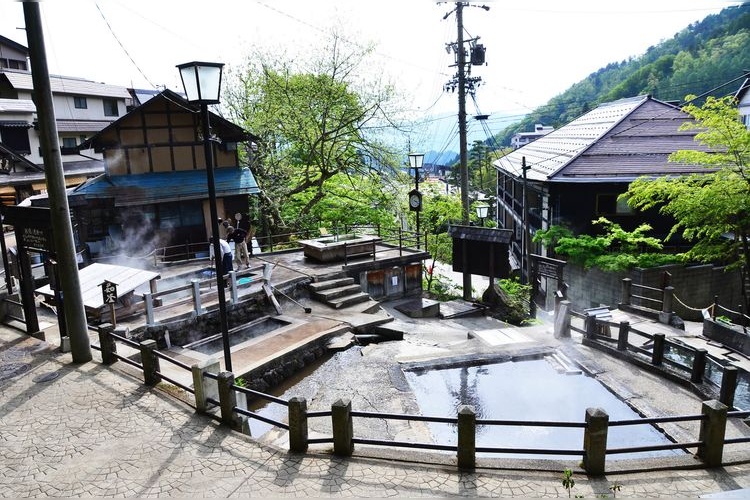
62,229
464,82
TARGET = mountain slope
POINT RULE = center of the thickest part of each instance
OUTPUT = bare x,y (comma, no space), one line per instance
708,57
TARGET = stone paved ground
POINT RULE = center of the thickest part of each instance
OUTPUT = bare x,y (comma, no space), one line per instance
88,430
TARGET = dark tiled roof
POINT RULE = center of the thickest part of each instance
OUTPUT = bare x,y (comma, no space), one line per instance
617,141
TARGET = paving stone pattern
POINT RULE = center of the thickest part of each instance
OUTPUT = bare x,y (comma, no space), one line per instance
93,430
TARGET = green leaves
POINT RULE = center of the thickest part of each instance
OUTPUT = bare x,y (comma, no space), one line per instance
614,249
711,210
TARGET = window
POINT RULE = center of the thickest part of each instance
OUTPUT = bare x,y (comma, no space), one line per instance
608,204
68,146
80,102
110,107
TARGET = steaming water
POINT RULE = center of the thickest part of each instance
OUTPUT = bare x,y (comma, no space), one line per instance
530,391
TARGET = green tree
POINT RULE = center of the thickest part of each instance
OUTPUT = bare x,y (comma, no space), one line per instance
613,250
321,124
711,209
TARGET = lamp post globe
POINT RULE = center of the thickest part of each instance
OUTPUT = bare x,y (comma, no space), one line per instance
482,210
202,83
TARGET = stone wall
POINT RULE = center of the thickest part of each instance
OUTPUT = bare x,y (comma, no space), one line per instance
694,287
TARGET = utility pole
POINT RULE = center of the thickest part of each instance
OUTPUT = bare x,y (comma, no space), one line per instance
62,229
464,83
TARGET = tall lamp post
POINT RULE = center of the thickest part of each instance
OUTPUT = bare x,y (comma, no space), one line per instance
482,213
415,197
202,83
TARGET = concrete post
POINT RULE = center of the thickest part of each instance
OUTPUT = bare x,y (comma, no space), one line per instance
197,306
108,343
713,430
699,366
228,400
622,336
205,387
298,436
595,441
625,291
467,436
665,316
562,320
233,291
657,356
343,428
150,362
148,301
728,385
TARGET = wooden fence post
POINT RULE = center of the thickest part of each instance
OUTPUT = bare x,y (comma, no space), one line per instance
107,343
298,436
150,362
699,366
712,433
625,291
467,437
622,336
657,356
595,441
343,428
728,385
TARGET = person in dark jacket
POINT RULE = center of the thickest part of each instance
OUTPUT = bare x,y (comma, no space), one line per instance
239,237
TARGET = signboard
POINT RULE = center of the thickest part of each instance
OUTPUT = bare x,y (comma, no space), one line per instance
545,266
109,292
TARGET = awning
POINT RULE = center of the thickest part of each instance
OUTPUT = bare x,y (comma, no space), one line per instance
15,124
160,187
69,181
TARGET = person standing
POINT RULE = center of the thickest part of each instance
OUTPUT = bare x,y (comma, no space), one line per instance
239,237
226,254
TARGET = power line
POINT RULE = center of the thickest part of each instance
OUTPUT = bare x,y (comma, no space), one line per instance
122,46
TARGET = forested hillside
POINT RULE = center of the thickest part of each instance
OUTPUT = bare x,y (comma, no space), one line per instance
708,57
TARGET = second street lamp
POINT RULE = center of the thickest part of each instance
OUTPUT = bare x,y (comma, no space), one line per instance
482,210
202,82
415,197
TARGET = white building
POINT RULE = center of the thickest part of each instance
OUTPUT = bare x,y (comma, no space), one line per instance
82,108
743,99
523,138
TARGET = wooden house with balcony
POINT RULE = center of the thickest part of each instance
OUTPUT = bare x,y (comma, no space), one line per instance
153,192
575,174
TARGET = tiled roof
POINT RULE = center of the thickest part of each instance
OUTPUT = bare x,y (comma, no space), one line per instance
139,189
81,125
68,85
617,141
17,105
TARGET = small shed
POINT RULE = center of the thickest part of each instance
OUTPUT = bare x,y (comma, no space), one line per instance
127,280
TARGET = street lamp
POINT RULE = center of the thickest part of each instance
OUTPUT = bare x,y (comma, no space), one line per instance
202,83
415,197
482,212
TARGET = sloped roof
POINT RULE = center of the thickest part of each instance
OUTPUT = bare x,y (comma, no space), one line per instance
81,125
15,45
742,91
17,105
67,85
616,142
161,187
223,128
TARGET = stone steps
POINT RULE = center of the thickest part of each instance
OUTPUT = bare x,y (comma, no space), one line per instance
338,292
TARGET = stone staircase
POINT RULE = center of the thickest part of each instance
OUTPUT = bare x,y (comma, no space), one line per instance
338,292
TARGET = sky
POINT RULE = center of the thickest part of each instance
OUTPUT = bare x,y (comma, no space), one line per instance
535,49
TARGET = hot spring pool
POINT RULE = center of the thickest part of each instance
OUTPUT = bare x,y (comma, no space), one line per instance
527,390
